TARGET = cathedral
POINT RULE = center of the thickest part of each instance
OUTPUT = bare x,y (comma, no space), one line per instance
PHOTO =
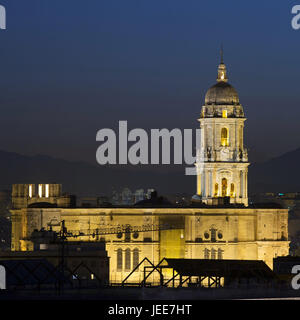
219,224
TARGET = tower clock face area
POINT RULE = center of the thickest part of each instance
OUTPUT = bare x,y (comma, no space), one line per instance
222,163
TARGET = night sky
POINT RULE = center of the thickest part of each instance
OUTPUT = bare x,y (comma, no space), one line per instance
69,68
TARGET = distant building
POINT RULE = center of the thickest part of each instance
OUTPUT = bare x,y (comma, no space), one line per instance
23,195
149,192
88,202
115,198
139,195
127,197
103,200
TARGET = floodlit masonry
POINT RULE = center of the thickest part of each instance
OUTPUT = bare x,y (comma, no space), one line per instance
222,164
206,233
218,225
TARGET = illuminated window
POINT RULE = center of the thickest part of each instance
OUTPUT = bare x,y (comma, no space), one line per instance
224,114
127,260
40,190
119,259
232,194
216,190
224,137
47,190
224,187
92,276
30,191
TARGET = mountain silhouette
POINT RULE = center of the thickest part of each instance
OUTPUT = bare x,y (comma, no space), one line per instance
84,179
280,174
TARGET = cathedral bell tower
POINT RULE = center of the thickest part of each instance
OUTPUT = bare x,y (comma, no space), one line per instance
222,161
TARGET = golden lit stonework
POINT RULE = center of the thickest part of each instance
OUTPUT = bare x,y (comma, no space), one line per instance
209,231
222,160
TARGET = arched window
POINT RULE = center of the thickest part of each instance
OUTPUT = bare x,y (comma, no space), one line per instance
213,254
127,259
224,187
216,193
224,137
220,254
206,253
119,260
232,194
135,257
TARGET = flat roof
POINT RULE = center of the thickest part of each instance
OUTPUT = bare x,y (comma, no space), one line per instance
221,268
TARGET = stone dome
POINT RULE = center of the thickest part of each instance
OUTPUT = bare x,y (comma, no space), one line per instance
222,93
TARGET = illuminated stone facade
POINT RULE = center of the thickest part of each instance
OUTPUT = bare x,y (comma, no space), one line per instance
24,195
222,161
212,233
206,232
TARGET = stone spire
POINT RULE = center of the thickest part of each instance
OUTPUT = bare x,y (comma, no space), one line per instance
222,74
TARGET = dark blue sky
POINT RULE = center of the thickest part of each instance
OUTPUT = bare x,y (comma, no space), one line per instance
69,68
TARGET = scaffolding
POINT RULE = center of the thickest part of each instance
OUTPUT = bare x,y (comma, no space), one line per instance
203,273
